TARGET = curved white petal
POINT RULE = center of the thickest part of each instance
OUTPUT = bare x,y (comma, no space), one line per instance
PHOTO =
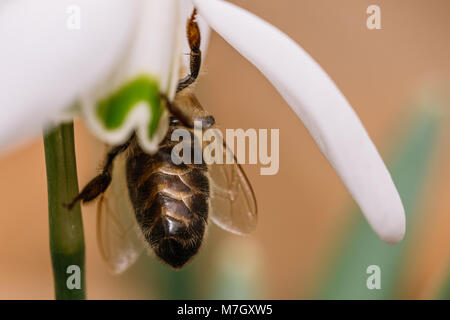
46,62
154,52
321,106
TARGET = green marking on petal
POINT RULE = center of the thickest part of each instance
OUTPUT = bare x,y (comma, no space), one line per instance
113,111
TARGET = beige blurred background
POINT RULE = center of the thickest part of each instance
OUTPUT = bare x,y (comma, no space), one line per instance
300,208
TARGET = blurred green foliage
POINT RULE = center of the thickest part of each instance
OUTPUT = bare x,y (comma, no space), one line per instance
444,293
409,167
216,274
222,270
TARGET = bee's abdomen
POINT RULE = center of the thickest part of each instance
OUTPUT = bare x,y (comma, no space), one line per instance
170,202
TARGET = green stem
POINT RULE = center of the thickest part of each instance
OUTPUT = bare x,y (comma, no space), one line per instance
66,227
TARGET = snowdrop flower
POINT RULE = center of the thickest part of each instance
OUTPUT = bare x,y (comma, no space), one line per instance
125,52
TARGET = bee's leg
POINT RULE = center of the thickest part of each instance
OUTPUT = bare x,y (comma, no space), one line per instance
176,111
193,35
186,118
100,183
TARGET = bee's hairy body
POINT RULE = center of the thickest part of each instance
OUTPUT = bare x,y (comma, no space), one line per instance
170,201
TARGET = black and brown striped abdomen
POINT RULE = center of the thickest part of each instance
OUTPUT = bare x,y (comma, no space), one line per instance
170,202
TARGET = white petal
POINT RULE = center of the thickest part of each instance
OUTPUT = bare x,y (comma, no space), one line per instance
45,65
154,52
320,105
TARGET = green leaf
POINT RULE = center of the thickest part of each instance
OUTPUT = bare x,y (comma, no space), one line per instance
347,275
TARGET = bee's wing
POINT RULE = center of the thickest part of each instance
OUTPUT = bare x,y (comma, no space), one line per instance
232,201
118,233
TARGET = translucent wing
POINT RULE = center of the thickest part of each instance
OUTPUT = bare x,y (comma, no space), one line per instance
188,109
118,233
232,201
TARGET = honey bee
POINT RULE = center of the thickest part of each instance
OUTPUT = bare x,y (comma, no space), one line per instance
148,201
